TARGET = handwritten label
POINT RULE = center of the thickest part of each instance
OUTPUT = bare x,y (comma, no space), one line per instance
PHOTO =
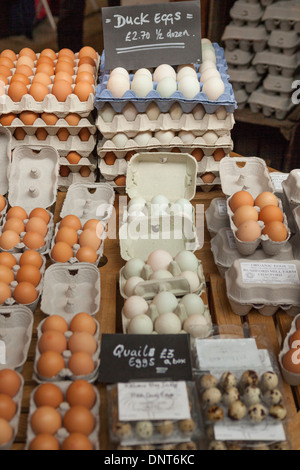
149,35
266,431
2,352
153,400
269,273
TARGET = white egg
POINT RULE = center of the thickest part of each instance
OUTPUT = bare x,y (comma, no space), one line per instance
209,54
107,113
136,204
140,325
207,64
118,84
176,112
209,73
164,137
142,138
153,111
160,200
193,304
130,285
160,274
165,301
118,71
221,113
143,71
129,112
198,111
135,305
205,41
210,137
133,268
192,279
167,323
196,326
213,88
181,66
166,87
189,87
163,70
184,71
207,46
186,261
119,140
182,206
141,85
159,259
187,137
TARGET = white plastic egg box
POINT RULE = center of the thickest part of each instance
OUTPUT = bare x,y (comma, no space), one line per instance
289,377
62,433
247,79
253,177
238,59
263,285
187,122
270,105
283,15
276,64
246,38
246,14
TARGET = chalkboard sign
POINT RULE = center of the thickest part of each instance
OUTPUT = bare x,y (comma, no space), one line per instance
149,35
144,357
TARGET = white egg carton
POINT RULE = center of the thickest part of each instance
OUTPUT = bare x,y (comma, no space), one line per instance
16,324
283,42
223,247
291,189
244,79
263,285
62,433
238,59
270,105
291,378
283,15
280,86
216,216
276,64
14,423
74,177
246,38
5,157
71,289
246,14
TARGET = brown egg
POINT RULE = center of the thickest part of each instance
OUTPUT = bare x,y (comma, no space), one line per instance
55,322
276,231
17,211
85,77
83,322
3,79
64,171
294,340
61,90
29,273
52,340
49,52
44,441
48,394
25,60
66,52
83,90
241,198
5,71
20,77
28,117
248,231
10,382
50,363
19,134
45,68
33,240
49,118
7,259
79,419
8,407
40,212
9,239
6,275
81,392
38,91
66,58
73,119
41,133
208,177
71,221
15,224
128,156
73,158
86,68
27,51
92,224
67,235
44,59
198,154
218,154
16,91
243,214
46,419
81,364
82,341
31,257
24,70
63,76
77,441
86,60
2,203
7,119
120,180
85,171
37,224
86,254
270,213
61,252
87,51
64,67
89,237
6,62
6,432
5,292
63,134
42,78
84,134
10,54
25,293
291,361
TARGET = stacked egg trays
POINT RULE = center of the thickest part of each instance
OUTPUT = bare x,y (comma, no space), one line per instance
75,143
131,124
262,51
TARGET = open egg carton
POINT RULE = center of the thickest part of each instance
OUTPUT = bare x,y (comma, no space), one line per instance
14,422
254,178
282,15
291,190
290,374
62,432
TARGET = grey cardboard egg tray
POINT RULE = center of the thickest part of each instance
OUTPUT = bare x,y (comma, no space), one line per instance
15,420
66,373
246,38
64,182
11,301
216,216
263,285
246,14
280,86
238,59
247,79
289,377
283,15
62,433
291,189
276,64
110,172
5,157
270,105
286,42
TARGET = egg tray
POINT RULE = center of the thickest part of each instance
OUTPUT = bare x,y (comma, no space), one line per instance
71,289
270,105
187,122
223,247
242,98
238,59
283,42
84,123
14,423
267,294
216,216
278,86
64,182
76,60
206,187
16,324
283,15
84,148
126,433
110,172
247,38
246,14
244,79
5,157
291,378
62,433
276,64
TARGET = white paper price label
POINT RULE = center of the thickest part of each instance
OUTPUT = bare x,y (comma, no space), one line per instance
269,273
265,431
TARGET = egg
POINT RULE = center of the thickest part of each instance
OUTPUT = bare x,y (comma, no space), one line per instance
77,441
143,71
175,111
28,117
45,419
73,119
73,158
82,341
140,324
159,259
48,394
64,66
17,211
41,133
41,213
270,213
45,68
83,90
6,432
276,231
84,134
198,112
24,70
52,340
67,235
133,267
240,198
187,137
64,171
159,203
48,52
165,302
33,240
291,362
9,239
3,81
71,221
209,54
10,382
166,87
87,254
120,180
85,171
167,323
213,88
44,441
84,67
89,237
248,231
63,134
6,275
29,273
81,363
61,89
196,325
5,292
9,53
186,70
207,64
153,111
189,87
19,134
25,60
87,51
120,139
210,137
243,214
192,279
94,224
186,261
15,224
198,154
16,91
141,85
7,259
218,154
81,392
38,91
162,71
62,252
65,51
37,224
208,177
7,119
49,364
135,305
5,72
8,407
43,79
25,293
160,274
193,304
44,59
78,418
118,84
32,258
83,322
55,322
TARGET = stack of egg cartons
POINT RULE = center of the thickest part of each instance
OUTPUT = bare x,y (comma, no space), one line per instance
47,100
188,108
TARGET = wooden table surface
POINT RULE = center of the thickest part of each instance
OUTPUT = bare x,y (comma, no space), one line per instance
276,326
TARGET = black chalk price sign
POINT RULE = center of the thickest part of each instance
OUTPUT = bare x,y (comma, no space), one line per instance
149,35
144,357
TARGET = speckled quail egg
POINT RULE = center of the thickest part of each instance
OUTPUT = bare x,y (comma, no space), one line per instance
211,396
252,395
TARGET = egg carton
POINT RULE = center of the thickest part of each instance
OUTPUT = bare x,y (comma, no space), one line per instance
279,86
206,187
188,445
270,105
296,215
291,189
283,42
187,122
216,216
5,157
110,172
62,433
263,285
71,289
276,64
238,59
291,378
283,15
14,423
244,79
223,247
16,324
246,14
64,182
247,38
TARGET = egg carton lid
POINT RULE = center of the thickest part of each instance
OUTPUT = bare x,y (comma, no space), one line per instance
296,215
280,60
245,33
246,11
5,156
276,103
245,76
153,173
16,324
287,10
291,188
238,57
290,377
15,420
278,84
283,39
